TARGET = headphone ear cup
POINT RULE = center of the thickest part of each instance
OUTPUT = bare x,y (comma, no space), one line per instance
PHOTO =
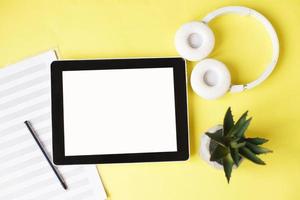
210,79
194,41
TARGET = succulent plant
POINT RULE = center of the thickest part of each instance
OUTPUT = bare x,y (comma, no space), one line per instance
229,145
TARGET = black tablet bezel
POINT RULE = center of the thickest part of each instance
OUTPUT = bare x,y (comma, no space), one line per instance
179,73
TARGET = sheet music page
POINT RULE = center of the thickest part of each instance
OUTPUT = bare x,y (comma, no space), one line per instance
24,172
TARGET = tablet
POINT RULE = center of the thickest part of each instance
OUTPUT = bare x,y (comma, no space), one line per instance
119,110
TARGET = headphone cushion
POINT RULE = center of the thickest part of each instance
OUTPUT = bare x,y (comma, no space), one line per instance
210,79
194,41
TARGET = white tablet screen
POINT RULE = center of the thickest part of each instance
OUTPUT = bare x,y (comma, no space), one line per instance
119,111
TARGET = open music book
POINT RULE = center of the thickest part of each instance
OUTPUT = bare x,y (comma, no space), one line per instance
24,171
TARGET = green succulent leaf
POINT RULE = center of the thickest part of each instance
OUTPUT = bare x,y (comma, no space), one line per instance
217,137
237,145
247,153
227,166
242,118
228,122
235,156
235,139
257,149
257,141
242,129
219,153
238,125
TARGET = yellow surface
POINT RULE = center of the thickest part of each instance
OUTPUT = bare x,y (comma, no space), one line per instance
130,28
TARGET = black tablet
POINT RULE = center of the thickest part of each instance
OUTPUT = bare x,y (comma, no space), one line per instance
119,110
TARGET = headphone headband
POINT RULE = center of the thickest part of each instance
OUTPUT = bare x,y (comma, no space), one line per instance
272,33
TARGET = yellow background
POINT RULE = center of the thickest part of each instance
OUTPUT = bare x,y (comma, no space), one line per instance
133,28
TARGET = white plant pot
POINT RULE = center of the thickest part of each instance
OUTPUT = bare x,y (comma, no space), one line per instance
204,148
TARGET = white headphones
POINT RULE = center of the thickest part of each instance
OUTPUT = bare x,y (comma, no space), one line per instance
210,78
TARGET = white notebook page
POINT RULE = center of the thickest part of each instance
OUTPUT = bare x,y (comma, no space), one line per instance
24,172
